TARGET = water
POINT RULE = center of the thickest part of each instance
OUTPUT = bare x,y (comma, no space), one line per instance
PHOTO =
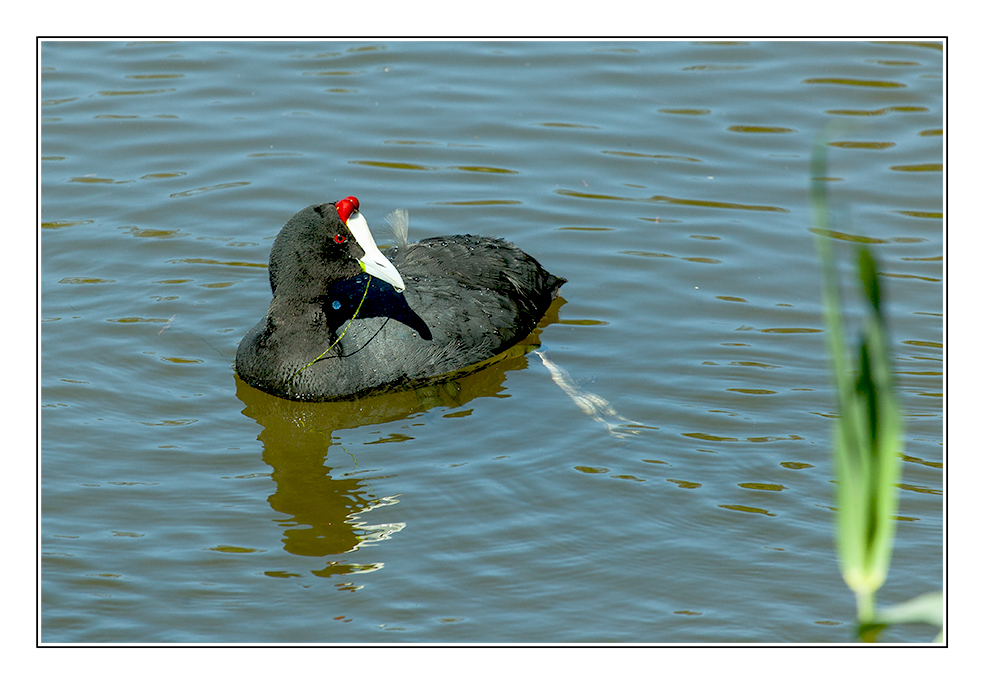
666,181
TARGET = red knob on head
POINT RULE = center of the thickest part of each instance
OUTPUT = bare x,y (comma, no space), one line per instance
346,206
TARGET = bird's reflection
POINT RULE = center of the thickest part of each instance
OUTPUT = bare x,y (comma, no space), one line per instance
321,497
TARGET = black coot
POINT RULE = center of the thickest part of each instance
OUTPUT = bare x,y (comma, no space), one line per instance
346,320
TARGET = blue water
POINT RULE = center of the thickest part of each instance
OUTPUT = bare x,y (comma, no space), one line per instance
667,181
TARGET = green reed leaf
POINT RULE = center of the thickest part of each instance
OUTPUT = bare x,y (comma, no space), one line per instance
868,433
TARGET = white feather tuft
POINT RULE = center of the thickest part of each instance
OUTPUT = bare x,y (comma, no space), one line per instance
399,222
590,403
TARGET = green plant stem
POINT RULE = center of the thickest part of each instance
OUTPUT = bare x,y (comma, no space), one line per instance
866,605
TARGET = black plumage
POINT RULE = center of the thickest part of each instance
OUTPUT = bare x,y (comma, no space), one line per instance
334,331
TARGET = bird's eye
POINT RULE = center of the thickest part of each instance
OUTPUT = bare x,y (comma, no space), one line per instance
339,239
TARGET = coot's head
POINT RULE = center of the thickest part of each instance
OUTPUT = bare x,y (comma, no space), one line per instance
323,244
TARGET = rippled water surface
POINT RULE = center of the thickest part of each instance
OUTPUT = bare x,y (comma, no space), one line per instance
666,181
